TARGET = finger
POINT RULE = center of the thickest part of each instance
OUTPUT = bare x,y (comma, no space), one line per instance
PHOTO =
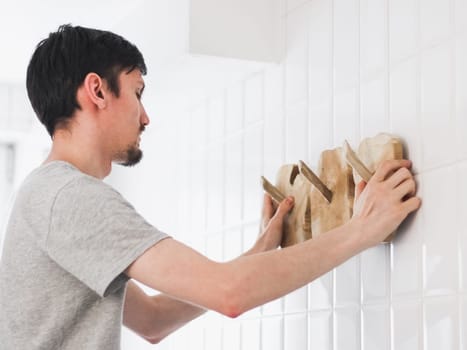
268,209
389,166
359,188
284,208
406,188
411,205
399,177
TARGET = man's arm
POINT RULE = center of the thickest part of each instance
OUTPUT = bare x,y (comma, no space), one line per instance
155,317
234,287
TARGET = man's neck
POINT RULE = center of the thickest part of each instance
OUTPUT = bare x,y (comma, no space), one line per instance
82,152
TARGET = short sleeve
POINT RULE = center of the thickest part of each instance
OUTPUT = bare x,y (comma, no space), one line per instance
95,234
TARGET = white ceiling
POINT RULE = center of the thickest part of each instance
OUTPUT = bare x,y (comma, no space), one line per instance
158,28
23,23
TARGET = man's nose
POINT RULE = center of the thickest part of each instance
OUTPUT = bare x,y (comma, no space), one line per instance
144,117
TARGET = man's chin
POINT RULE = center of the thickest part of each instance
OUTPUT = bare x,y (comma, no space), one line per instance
133,157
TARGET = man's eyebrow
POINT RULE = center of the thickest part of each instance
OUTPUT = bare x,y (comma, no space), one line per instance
142,86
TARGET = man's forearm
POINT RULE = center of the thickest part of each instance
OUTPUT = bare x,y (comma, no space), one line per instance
267,276
169,314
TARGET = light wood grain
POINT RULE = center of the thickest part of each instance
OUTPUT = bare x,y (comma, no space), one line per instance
297,225
336,174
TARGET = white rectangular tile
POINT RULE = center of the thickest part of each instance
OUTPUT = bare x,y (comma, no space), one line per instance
441,323
375,264
463,321
213,339
321,130
5,109
215,188
251,334
274,143
296,60
271,333
461,95
440,231
347,329
254,99
373,36
347,278
373,107
296,132
346,51
320,52
231,339
320,292
198,192
234,108
274,88
232,244
252,171
250,235
274,307
199,126
461,172
408,325
346,123
405,120
406,277
438,125
460,11
376,327
233,180
295,332
435,20
403,28
320,330
196,334
297,301
293,4
216,120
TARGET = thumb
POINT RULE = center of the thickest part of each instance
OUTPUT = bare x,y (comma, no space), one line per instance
284,208
359,189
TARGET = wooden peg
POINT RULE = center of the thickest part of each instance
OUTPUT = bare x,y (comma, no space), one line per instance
307,218
315,180
356,163
272,190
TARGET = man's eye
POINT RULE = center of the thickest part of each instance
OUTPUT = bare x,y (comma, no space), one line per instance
138,95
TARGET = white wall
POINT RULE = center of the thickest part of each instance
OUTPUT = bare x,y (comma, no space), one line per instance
352,68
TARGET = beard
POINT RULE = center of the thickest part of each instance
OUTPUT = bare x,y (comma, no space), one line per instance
132,155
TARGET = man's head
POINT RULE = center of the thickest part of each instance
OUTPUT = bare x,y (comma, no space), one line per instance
62,62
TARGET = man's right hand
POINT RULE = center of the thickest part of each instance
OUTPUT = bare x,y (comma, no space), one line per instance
385,201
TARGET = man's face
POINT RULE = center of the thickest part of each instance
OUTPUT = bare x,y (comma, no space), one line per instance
128,119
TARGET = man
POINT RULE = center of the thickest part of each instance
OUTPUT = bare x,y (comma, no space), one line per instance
73,243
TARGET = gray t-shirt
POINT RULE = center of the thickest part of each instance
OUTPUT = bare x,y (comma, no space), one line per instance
69,238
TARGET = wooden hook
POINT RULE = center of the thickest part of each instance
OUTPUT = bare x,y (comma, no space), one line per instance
356,163
307,218
315,180
272,190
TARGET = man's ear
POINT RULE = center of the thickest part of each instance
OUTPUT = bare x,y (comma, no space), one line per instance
95,91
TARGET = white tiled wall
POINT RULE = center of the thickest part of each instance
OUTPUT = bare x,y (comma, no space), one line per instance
352,68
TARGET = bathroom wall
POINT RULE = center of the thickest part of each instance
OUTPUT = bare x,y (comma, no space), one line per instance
352,68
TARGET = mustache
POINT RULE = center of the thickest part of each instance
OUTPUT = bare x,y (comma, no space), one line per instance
142,128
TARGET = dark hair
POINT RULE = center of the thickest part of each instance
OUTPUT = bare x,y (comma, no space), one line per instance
61,62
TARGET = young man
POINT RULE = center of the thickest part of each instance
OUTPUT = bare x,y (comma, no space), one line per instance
73,243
